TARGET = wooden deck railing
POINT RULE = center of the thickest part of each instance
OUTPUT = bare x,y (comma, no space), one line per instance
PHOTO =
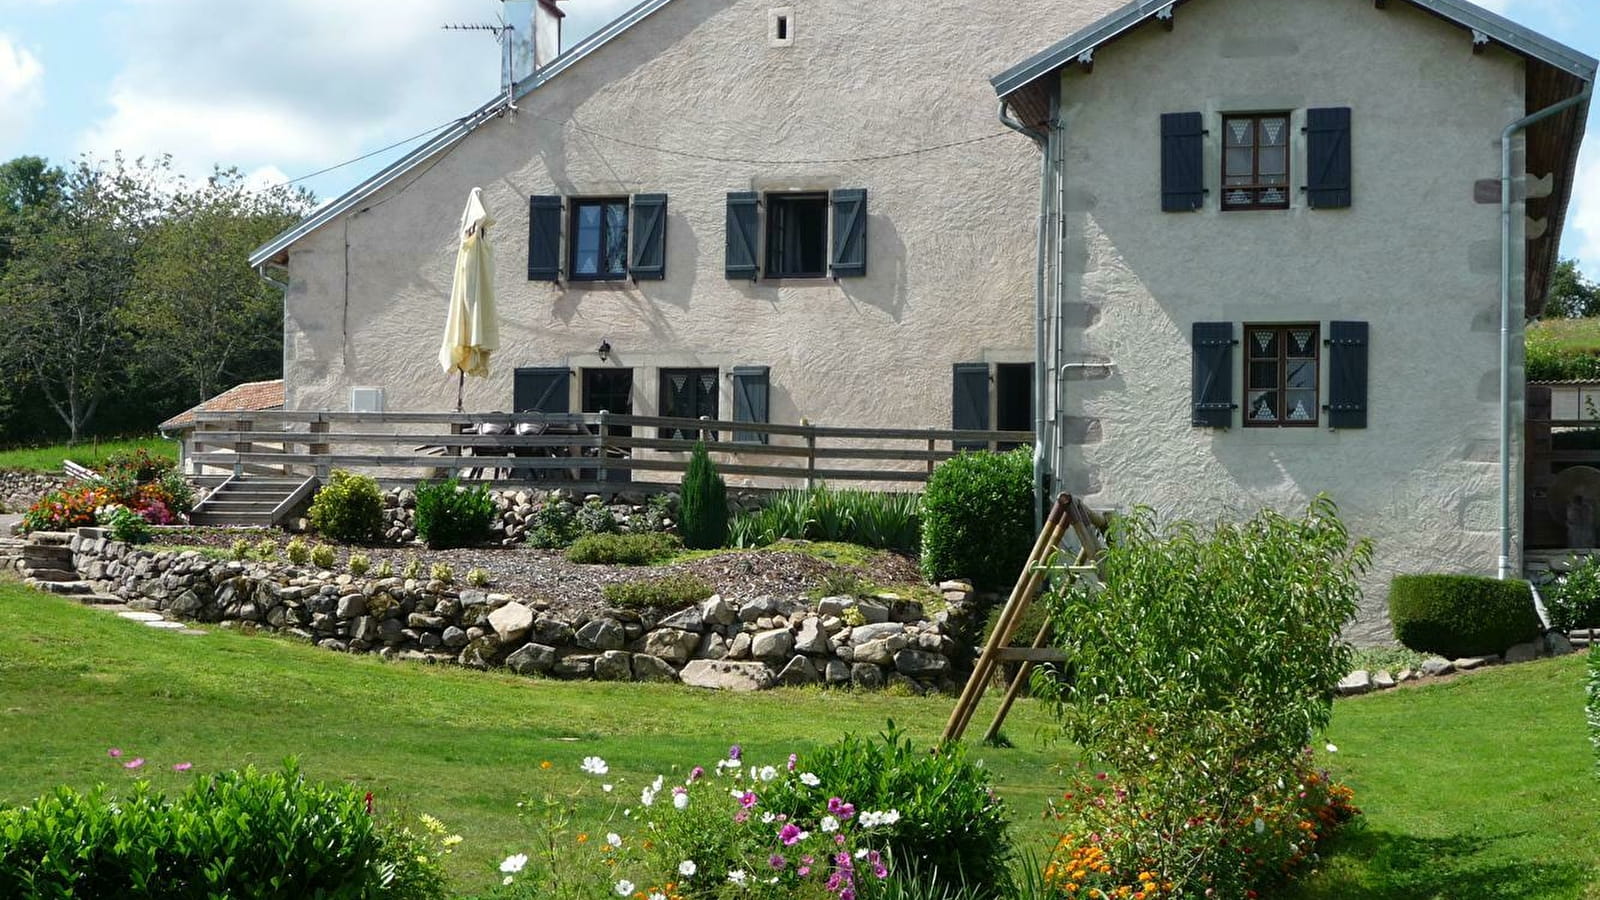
590,451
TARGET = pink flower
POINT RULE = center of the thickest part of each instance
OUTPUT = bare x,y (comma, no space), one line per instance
696,774
747,799
134,763
790,834
182,767
793,758
114,753
777,861
840,808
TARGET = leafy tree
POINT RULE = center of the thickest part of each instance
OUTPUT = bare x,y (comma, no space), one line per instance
201,318
68,275
1572,296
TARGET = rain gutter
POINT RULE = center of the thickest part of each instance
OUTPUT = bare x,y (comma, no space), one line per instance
1041,374
1503,566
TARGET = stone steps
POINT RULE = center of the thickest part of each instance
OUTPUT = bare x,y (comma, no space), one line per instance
65,588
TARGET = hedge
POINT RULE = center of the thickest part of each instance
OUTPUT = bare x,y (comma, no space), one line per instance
1461,615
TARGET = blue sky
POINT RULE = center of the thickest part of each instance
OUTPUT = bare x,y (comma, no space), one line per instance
282,88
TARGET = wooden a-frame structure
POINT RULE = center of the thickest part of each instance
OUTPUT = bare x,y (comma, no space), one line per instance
1071,527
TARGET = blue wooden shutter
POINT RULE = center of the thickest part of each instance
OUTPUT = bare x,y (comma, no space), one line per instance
849,252
648,260
544,389
1212,390
544,238
743,228
750,388
1347,370
1183,186
1328,158
969,402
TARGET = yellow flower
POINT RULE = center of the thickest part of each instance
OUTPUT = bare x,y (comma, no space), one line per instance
452,840
545,764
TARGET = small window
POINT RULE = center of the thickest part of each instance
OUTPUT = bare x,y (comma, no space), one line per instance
780,26
797,236
1013,394
1280,370
599,239
1255,161
687,394
366,400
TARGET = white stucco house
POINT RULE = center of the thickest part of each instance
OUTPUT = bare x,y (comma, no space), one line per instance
1251,249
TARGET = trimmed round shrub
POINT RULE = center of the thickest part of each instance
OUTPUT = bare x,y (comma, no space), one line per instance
449,515
977,518
1461,615
349,508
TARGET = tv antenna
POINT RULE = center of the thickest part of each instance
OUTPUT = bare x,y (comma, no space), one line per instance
502,36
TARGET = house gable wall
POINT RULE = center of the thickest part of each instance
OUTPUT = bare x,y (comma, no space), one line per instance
1415,257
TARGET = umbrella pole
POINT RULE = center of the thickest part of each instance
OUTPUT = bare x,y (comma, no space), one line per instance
461,385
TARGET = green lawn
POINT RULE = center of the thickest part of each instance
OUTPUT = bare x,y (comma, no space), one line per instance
1578,335
1478,788
90,453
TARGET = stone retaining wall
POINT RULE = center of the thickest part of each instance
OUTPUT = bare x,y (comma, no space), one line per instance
717,643
20,490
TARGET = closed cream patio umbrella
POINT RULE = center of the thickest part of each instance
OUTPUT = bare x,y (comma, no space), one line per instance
471,330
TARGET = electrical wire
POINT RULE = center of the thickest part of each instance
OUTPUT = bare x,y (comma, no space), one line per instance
400,143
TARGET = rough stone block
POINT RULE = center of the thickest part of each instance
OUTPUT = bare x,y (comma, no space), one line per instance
532,659
650,668
724,675
614,665
512,621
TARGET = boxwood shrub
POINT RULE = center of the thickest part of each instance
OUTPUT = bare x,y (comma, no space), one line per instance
348,509
977,518
1461,615
449,515
234,834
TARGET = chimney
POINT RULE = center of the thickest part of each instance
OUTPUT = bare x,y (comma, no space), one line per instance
535,35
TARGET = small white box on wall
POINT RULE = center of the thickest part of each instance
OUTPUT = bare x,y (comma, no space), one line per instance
366,399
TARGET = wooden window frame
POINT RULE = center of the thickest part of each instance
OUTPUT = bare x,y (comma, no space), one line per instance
1281,359
1256,187
575,205
663,393
771,201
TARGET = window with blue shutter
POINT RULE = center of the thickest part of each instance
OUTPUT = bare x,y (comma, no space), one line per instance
849,253
647,260
1328,178
542,389
1347,374
1183,187
743,235
969,402
750,389
544,238
1212,379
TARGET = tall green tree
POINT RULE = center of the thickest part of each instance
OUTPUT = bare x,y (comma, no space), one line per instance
201,319
1572,296
66,279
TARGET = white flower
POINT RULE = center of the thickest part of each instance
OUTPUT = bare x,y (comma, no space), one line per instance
680,801
1332,749
594,765
623,887
657,895
1261,826
738,876
614,839
656,785
768,817
861,853
871,819
829,825
687,868
513,864
647,796
768,773
507,880
606,788
735,793
809,780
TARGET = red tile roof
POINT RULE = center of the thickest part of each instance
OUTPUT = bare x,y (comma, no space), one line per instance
252,395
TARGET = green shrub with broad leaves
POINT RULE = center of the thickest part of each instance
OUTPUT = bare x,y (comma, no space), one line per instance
1461,615
449,515
1573,599
235,834
977,518
703,504
1202,665
669,592
554,525
349,508
886,520
643,549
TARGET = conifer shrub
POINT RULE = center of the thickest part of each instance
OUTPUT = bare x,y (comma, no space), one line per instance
704,503
449,515
977,518
348,509
1461,615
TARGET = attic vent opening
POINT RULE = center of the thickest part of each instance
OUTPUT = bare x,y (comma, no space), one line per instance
780,27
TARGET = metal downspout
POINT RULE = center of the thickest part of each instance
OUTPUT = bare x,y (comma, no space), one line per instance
262,271
1058,370
1506,136
1041,377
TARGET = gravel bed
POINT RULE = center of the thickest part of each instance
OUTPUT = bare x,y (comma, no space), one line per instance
574,589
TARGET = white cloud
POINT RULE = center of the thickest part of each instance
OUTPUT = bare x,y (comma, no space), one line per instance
295,84
1582,237
21,77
